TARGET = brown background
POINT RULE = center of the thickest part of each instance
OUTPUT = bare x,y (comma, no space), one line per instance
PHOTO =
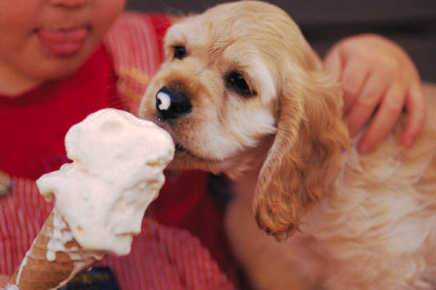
411,23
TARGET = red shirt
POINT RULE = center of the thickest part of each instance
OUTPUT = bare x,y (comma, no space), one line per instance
34,124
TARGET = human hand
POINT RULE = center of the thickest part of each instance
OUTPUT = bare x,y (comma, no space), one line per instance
378,79
4,279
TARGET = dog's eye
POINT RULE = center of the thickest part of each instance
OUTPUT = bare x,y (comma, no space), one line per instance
237,82
179,51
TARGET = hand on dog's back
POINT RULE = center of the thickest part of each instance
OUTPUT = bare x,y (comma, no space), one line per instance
380,81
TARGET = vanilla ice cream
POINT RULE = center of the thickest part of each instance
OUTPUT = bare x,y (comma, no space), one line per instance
117,171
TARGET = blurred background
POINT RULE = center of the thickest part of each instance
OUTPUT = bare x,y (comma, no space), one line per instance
411,23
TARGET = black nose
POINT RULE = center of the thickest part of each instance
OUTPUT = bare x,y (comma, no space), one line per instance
172,103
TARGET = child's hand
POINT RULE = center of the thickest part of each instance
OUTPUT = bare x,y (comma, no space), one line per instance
378,77
4,279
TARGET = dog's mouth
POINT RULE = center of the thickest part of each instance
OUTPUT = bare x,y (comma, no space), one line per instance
180,148
187,157
184,153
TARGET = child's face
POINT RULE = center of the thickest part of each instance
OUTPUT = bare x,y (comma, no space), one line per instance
48,39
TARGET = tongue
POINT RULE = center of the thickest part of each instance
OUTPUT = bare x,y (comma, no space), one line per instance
63,42
69,35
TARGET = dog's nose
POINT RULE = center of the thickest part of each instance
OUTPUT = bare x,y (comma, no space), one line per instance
171,103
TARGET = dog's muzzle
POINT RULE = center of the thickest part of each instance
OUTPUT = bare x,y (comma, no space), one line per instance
172,104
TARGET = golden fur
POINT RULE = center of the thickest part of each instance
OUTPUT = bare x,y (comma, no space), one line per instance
350,221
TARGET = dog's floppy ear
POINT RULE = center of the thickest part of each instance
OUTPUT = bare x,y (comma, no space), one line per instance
305,155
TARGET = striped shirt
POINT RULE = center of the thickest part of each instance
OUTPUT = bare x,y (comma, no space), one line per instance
161,257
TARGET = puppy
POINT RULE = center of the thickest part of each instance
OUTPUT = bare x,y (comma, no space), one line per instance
242,93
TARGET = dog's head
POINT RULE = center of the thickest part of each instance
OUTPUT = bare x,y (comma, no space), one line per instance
241,85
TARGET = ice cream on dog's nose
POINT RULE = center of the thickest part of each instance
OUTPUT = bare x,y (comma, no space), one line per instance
172,103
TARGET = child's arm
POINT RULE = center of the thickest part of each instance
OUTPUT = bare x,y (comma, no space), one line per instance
379,78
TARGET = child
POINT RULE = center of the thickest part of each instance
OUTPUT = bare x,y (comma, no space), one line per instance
55,70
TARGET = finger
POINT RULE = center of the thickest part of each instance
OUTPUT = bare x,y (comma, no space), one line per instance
416,115
384,120
365,105
333,64
354,77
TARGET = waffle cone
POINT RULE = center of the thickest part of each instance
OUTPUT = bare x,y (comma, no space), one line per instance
38,273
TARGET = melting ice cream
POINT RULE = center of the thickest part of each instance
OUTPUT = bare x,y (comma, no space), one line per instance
117,170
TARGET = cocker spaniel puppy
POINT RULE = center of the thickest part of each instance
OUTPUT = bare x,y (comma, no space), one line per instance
243,93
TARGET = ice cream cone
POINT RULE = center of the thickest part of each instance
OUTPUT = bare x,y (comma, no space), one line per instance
39,272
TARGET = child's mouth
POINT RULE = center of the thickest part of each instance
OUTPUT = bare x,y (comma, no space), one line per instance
62,42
